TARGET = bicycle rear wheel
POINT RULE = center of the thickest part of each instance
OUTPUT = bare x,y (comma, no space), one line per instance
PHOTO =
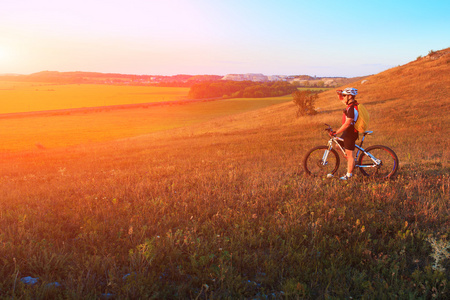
314,163
385,167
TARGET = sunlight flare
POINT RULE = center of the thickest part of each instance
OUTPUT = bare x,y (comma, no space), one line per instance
4,54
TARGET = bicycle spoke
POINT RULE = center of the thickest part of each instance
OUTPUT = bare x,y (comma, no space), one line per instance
387,166
315,165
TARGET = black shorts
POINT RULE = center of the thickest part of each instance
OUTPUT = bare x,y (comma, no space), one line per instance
349,141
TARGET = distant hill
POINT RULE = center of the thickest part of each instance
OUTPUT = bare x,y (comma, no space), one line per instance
110,78
181,80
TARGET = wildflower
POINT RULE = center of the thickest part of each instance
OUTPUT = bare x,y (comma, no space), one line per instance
108,296
127,276
440,252
29,280
53,285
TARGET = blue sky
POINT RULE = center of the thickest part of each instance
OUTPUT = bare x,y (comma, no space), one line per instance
322,38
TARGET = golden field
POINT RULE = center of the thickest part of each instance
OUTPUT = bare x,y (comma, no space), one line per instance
74,127
19,97
219,208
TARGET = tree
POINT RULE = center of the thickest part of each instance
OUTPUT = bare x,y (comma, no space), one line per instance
247,89
305,101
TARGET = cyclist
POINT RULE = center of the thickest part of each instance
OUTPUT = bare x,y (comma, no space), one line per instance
349,134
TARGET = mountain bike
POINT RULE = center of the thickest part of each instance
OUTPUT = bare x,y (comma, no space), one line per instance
376,161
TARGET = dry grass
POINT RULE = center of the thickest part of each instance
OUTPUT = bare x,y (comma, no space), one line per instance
220,209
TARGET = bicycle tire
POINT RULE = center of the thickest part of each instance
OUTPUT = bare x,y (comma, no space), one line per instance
388,167
312,162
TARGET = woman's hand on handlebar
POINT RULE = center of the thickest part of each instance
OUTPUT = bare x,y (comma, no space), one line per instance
330,131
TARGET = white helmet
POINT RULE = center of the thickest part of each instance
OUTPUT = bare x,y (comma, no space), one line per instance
350,91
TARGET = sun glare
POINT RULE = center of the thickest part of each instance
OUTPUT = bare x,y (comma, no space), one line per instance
3,53
8,60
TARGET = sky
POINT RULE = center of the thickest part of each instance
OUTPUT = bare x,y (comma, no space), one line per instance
167,37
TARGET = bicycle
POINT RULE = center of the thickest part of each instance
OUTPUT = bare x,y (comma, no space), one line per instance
376,161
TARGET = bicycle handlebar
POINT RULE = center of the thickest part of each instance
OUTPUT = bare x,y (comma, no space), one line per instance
329,129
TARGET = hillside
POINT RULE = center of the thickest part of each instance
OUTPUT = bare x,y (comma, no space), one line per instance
408,94
222,209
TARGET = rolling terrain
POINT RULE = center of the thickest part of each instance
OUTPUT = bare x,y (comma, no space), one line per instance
81,126
21,97
222,209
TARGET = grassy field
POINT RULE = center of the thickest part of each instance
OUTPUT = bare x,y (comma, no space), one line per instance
63,129
25,96
221,209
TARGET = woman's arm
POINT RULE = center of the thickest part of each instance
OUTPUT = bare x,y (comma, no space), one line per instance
347,123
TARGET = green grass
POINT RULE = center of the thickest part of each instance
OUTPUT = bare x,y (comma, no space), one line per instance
63,129
314,89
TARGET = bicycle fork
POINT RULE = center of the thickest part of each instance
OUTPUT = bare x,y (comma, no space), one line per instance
325,154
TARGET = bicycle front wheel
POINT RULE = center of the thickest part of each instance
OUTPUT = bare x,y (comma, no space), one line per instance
381,162
319,161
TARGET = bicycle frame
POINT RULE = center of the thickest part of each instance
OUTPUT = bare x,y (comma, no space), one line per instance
381,161
336,140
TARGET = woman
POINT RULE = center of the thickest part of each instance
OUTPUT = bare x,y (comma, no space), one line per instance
349,134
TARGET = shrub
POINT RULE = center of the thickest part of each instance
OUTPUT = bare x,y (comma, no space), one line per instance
305,101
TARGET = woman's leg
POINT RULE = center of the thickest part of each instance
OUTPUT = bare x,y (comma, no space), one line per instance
350,160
